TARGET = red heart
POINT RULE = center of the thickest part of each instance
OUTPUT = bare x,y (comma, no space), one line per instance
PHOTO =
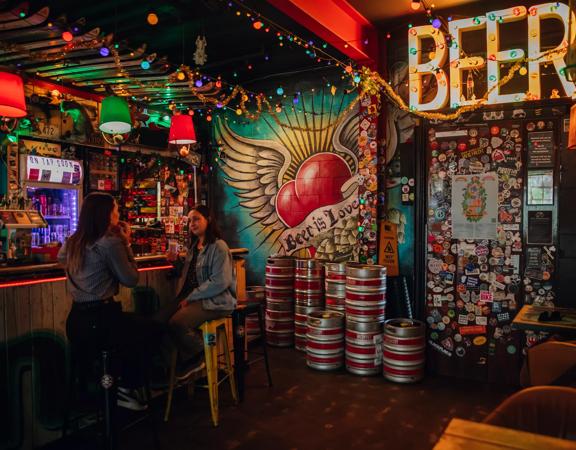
318,183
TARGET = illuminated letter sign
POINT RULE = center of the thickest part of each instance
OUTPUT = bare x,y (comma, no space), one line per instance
434,66
462,90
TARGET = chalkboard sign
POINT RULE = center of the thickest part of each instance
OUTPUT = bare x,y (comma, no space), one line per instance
541,149
539,227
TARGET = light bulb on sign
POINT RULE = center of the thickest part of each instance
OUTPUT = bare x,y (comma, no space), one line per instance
415,5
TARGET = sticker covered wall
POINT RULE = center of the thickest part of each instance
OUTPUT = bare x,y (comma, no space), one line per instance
474,248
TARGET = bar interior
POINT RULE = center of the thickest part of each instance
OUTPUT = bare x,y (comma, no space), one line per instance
340,217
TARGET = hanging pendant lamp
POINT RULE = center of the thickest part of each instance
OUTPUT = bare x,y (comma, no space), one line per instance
12,102
182,130
182,133
115,116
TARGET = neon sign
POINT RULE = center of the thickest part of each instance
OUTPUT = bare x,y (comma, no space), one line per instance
450,83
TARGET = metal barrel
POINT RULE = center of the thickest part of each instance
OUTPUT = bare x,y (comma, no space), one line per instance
278,338
362,366
366,278
300,324
335,286
325,340
252,325
335,272
363,347
256,294
403,351
279,301
365,292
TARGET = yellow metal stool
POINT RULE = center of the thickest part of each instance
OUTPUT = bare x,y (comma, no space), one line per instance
215,333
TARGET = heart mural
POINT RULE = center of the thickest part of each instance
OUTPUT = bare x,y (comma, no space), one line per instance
318,183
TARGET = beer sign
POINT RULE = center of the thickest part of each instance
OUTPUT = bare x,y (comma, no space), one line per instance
450,81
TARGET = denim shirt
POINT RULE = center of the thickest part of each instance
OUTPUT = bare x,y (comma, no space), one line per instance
107,264
216,278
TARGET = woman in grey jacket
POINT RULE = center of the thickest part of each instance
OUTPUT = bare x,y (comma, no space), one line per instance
205,288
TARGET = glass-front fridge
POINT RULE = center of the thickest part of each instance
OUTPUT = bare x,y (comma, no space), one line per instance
54,187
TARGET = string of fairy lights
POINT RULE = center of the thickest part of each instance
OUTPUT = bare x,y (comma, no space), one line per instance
252,105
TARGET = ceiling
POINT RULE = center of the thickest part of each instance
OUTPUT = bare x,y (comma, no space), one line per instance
378,11
236,51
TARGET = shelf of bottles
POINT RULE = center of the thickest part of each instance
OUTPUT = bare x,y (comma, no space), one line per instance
60,209
103,172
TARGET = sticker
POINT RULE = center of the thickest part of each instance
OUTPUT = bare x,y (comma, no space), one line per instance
479,340
472,329
460,351
511,349
481,320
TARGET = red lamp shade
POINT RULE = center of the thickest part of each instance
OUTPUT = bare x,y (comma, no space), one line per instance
12,102
182,130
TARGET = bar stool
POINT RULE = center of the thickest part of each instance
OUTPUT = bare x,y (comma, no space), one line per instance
241,353
214,332
81,359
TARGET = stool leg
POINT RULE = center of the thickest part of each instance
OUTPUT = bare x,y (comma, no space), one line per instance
172,382
109,386
239,323
211,355
263,341
230,369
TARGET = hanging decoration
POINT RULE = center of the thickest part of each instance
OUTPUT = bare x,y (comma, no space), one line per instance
12,101
115,120
182,133
200,56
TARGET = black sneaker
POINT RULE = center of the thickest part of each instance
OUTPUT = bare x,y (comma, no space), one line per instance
187,369
129,399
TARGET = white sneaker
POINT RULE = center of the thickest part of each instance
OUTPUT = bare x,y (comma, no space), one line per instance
129,399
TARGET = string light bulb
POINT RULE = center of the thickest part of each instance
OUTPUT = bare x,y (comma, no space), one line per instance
415,5
152,19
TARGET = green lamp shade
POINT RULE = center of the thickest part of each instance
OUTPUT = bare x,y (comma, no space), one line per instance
115,116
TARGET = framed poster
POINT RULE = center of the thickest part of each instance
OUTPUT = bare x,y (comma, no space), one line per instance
539,227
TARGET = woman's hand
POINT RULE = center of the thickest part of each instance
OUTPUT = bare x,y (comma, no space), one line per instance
125,231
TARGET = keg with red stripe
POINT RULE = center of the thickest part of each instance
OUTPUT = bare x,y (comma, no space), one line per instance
365,293
325,340
363,347
254,294
335,286
300,325
403,350
280,301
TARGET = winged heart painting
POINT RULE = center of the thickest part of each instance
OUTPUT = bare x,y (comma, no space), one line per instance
295,180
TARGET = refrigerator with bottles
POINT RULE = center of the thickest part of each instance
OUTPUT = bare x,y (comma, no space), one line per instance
54,187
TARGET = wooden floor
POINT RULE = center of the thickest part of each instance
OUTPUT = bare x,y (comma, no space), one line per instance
310,410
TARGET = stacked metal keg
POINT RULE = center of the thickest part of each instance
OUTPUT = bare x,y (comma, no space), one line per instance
365,312
335,286
325,340
403,352
280,301
254,294
309,294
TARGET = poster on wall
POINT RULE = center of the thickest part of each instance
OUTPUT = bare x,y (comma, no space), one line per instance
475,206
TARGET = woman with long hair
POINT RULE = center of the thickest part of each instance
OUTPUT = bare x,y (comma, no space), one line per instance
98,258
206,288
